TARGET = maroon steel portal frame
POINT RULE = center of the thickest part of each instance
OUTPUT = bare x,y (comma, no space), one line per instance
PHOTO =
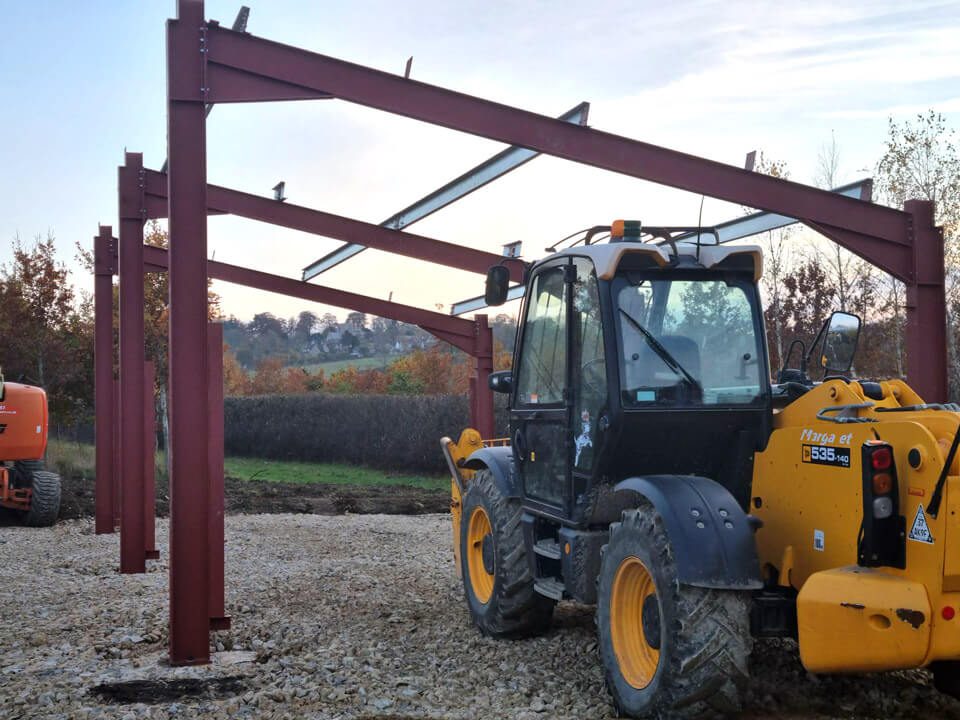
208,64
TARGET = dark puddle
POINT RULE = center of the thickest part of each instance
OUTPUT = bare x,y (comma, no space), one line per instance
163,691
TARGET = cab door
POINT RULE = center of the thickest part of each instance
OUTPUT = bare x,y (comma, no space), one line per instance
540,411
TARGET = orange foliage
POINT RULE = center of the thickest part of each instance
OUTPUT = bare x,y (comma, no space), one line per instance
352,381
435,371
502,358
235,378
268,379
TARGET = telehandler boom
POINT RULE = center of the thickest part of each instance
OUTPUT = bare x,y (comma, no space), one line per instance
654,470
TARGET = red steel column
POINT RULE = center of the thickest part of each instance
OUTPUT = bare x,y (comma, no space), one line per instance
483,403
926,306
132,550
115,461
218,617
187,197
149,463
103,376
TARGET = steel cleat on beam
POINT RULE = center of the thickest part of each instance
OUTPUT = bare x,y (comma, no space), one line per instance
474,179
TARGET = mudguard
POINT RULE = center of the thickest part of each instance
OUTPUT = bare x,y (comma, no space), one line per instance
712,537
500,462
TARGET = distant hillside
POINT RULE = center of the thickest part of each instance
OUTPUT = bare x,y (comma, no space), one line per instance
324,342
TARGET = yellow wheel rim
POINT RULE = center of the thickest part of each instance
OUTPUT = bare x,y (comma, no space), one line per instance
480,580
636,658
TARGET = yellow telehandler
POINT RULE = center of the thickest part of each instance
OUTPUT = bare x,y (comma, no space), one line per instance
653,469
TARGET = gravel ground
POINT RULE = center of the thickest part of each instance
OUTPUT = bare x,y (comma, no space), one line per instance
333,617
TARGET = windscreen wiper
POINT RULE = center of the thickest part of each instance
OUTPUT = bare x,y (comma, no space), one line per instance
662,352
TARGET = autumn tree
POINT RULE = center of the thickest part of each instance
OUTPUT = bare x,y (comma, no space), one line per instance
48,331
921,161
779,257
235,378
851,276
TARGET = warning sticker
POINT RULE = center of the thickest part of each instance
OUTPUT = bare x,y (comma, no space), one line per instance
920,532
818,538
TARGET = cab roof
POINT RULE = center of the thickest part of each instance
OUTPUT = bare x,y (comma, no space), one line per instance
606,257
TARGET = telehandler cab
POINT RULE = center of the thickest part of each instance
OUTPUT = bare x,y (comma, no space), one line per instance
652,469
25,487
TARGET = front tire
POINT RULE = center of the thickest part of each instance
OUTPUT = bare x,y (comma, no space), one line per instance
45,493
669,650
497,581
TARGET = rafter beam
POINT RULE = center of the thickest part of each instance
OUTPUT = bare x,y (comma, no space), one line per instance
440,106
457,331
297,217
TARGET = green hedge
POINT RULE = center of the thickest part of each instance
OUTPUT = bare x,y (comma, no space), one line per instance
395,432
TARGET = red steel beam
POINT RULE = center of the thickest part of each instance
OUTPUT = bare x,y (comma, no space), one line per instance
224,200
457,331
483,399
927,307
103,268
115,463
132,533
219,620
399,95
149,463
189,483
884,236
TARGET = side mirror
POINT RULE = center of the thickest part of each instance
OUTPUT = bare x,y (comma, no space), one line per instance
840,342
501,382
498,282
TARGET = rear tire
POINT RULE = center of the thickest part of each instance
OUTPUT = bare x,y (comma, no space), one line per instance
45,493
946,677
669,650
493,558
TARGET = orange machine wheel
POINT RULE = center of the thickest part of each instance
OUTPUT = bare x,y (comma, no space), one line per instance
480,556
635,593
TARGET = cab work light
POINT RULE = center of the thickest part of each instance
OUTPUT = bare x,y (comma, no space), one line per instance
883,532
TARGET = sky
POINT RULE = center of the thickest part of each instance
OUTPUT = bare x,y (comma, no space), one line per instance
82,82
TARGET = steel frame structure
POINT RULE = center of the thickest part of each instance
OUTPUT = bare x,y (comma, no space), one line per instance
208,64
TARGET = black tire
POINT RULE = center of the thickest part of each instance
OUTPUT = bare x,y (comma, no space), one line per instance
700,637
512,609
45,493
946,677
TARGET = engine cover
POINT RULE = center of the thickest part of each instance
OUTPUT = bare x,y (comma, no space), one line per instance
23,422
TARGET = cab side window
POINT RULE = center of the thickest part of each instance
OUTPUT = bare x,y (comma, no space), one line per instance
543,355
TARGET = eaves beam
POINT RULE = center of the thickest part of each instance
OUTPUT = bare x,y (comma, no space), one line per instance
222,200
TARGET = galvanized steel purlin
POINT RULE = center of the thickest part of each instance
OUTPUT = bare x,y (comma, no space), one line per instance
729,231
474,179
